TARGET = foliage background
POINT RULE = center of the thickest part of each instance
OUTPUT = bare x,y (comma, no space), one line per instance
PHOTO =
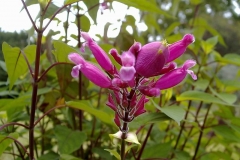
211,125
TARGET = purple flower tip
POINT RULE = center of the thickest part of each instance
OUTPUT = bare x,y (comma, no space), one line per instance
188,39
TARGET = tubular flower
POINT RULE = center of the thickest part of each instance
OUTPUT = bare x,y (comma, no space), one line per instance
151,59
178,48
176,76
93,73
100,55
133,82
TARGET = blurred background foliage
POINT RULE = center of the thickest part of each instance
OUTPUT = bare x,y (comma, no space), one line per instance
211,129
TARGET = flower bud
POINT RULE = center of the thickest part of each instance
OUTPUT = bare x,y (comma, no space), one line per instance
92,72
178,48
100,55
151,59
176,76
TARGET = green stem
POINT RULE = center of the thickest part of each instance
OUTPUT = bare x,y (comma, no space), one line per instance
123,149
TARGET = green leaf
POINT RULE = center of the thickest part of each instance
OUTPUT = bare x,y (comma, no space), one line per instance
148,118
171,28
15,62
85,106
49,155
68,140
174,8
226,97
202,23
226,133
67,2
93,11
196,2
114,153
230,58
176,113
208,45
201,96
4,143
157,150
62,51
85,23
30,2
68,157
145,5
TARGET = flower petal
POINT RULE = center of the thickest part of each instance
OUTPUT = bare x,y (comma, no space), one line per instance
100,55
178,48
127,73
75,71
76,58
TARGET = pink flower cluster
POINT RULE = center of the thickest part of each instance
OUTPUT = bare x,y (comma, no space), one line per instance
132,83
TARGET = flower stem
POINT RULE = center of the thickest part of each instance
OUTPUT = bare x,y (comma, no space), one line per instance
123,149
145,142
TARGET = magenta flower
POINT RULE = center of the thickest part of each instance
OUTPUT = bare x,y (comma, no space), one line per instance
134,80
178,48
93,73
151,59
100,55
176,76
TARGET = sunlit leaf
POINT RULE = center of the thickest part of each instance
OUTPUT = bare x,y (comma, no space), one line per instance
67,2
15,62
68,140
84,22
93,7
145,5
62,50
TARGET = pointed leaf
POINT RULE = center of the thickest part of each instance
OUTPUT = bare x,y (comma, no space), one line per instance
68,157
85,106
68,140
93,11
230,58
114,153
226,97
148,118
174,112
15,62
62,50
4,143
201,96
209,44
